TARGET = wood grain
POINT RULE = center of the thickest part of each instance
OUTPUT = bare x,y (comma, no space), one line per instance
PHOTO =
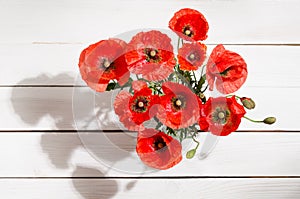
63,108
58,154
86,21
167,188
41,154
269,66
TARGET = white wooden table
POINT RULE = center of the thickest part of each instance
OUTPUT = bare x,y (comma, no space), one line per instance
42,155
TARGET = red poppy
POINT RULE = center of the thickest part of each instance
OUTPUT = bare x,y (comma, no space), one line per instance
158,150
104,61
189,24
191,56
221,116
136,109
227,69
179,106
150,54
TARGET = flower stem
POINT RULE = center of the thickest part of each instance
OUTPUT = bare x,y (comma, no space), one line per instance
176,77
194,76
198,143
191,153
255,121
206,87
178,44
202,70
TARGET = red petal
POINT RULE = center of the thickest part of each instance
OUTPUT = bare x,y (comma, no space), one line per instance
231,124
227,69
138,85
139,62
184,117
140,117
164,158
90,63
199,52
192,18
121,106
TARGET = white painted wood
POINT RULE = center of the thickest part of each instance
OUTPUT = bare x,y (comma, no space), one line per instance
113,155
39,64
153,188
85,21
40,42
57,108
269,66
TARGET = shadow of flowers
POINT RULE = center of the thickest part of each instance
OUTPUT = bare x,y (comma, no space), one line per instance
51,108
94,188
33,104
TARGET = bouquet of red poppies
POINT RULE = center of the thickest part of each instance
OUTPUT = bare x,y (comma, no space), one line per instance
170,86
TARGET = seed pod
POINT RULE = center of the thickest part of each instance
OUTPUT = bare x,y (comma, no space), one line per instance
190,154
270,120
248,103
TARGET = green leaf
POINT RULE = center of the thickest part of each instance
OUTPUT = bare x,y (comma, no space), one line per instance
201,81
111,86
171,131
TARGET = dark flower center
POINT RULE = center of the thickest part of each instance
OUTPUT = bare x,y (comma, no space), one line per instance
224,73
140,104
188,31
105,64
193,57
220,115
152,55
178,102
158,144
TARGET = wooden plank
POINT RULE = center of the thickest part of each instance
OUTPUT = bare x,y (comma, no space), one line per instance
269,66
82,109
154,188
39,64
85,21
113,155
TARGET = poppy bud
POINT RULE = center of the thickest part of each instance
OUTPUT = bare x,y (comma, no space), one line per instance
270,120
190,154
248,103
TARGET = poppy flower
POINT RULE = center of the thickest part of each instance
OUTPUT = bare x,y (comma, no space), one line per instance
104,61
189,24
226,69
179,106
191,56
151,55
221,116
136,109
157,149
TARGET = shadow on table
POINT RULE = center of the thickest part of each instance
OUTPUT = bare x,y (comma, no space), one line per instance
94,188
48,108
34,104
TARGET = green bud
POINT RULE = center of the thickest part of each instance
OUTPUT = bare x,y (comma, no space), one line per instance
269,120
190,154
248,103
